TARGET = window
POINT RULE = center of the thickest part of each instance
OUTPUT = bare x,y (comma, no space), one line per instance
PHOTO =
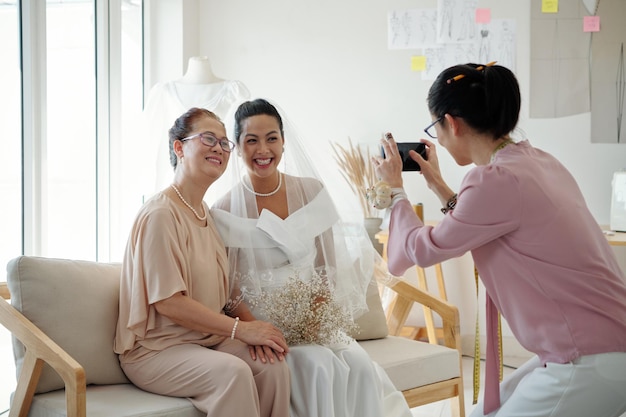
68,221
72,92
10,134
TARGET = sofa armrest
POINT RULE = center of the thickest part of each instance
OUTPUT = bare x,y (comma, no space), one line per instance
4,291
407,294
41,349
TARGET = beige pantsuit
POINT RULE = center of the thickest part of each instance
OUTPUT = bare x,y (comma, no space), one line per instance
222,380
169,253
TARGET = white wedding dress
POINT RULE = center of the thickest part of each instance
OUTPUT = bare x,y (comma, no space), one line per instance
327,381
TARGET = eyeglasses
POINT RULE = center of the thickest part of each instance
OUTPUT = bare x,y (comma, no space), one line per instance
430,129
210,140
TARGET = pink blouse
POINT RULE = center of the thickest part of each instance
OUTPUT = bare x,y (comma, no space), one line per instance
542,257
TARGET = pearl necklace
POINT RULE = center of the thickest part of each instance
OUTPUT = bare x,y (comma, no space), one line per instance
280,182
499,148
201,218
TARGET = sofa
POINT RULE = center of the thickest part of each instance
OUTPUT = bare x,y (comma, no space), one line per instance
62,315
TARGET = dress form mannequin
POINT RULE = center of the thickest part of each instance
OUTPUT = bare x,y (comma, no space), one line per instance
198,83
199,72
198,87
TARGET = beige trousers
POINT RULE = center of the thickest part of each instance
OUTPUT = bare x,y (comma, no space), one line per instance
222,380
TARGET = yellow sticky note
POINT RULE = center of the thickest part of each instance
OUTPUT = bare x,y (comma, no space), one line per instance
549,6
418,63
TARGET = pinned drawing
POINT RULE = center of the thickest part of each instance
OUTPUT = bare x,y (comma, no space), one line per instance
449,35
447,55
411,29
483,46
497,43
456,21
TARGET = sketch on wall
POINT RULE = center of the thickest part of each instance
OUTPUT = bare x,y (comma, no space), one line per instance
412,29
456,21
449,35
496,42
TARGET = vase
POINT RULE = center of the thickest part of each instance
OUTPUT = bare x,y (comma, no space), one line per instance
372,226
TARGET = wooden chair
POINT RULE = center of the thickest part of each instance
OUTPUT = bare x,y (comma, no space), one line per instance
407,295
428,332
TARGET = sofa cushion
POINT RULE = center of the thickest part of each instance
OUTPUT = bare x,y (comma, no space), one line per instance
76,304
410,363
372,324
129,401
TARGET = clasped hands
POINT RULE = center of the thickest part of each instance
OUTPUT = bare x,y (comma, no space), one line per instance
265,341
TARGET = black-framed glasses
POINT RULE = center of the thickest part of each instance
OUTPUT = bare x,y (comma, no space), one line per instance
430,129
208,139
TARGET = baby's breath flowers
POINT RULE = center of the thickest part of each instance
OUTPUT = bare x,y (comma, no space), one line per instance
306,312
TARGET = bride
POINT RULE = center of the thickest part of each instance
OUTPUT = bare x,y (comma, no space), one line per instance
285,240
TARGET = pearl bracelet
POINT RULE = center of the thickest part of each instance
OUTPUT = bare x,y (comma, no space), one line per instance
232,334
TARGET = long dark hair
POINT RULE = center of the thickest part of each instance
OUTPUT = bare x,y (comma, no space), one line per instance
486,97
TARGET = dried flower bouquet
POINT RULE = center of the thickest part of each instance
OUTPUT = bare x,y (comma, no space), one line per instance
306,312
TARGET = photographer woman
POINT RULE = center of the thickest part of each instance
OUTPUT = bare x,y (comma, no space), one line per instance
545,264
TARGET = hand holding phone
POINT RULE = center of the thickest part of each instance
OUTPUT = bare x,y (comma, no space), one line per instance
408,164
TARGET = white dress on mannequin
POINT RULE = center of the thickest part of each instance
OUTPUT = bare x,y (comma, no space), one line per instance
199,87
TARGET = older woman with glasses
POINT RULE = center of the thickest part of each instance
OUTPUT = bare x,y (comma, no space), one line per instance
173,337
545,263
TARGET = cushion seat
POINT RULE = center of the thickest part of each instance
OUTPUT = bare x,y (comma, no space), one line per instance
411,364
119,400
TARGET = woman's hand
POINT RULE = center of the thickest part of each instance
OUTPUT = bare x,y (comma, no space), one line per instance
265,353
389,168
266,340
430,170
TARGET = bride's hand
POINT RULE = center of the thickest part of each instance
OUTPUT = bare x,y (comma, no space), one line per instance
265,353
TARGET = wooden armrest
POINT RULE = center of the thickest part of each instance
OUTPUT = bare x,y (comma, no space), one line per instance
4,291
41,349
409,294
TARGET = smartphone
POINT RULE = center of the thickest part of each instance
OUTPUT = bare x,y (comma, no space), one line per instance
408,164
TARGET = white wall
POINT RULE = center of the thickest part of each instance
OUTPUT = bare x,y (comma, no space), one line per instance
327,64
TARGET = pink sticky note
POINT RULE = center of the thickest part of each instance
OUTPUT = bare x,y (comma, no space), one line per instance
483,15
591,24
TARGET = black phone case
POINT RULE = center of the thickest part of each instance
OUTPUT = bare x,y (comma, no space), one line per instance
409,164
